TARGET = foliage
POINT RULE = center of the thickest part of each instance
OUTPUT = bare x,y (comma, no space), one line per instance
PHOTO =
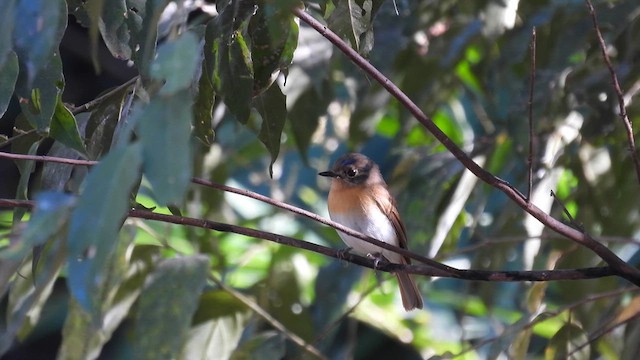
242,93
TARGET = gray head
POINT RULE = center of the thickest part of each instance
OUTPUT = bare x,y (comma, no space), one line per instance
354,169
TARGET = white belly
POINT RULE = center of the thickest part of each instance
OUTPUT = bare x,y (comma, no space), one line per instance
376,225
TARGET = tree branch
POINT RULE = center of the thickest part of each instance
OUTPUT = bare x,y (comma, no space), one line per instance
480,275
620,267
616,88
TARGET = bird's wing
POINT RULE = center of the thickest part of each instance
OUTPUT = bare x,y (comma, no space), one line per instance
388,206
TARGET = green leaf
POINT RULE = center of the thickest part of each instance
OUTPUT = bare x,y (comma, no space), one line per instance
170,296
95,222
268,345
29,293
305,114
8,77
164,127
176,63
50,215
145,40
353,20
273,110
83,338
227,59
103,122
217,326
274,38
568,344
6,31
38,101
65,129
39,26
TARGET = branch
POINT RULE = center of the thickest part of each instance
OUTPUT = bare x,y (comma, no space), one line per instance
618,265
532,83
616,87
480,275
95,102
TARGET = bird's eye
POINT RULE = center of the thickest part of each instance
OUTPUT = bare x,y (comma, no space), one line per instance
352,172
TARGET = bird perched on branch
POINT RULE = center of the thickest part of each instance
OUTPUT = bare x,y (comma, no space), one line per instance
359,199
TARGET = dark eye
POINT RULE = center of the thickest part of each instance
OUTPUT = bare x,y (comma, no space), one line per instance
352,172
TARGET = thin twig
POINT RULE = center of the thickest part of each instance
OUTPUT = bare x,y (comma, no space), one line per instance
17,137
270,319
625,270
616,88
95,102
532,82
44,158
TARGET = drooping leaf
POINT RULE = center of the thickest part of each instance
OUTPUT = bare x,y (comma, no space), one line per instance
273,110
268,345
305,114
164,129
103,122
39,25
170,296
569,343
353,20
38,102
65,129
29,293
145,40
95,222
6,31
83,338
8,76
227,57
274,38
176,63
218,325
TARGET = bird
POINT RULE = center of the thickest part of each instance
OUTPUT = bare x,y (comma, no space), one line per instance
359,199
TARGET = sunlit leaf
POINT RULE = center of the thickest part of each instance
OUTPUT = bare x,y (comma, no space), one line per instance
570,342
65,129
170,296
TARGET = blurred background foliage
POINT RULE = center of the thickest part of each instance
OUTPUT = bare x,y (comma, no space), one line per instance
241,93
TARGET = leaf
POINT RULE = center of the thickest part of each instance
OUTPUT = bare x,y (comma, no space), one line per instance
268,345
228,60
164,127
353,20
95,223
6,32
82,337
218,325
176,63
145,39
274,38
305,115
571,342
170,296
103,122
8,77
273,110
50,214
38,102
65,129
28,294
39,26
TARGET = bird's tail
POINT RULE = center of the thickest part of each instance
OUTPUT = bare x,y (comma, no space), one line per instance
411,298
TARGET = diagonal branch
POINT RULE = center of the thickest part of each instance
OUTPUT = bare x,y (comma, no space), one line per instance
616,88
620,267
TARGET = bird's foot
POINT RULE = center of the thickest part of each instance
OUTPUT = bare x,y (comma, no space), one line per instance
342,253
377,259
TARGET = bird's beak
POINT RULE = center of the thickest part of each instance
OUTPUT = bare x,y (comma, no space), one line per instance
328,174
